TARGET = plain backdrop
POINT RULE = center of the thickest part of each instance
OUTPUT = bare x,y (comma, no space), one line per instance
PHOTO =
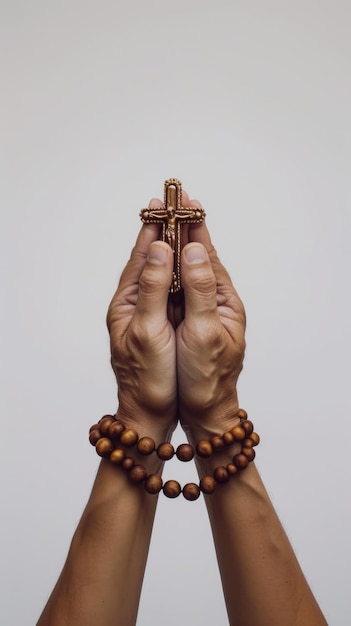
248,103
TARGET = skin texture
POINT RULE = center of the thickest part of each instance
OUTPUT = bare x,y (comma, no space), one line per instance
176,358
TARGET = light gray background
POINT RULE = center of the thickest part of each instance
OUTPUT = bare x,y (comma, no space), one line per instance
248,103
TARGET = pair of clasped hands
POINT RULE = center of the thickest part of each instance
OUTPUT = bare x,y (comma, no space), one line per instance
176,356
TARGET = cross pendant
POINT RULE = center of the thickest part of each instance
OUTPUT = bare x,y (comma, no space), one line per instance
172,215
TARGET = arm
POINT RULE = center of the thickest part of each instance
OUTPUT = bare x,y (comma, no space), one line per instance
102,577
262,580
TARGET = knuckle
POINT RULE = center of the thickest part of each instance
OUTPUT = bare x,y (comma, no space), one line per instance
109,318
204,282
239,310
140,338
151,280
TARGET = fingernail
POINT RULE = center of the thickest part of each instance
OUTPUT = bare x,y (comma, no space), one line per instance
195,253
157,253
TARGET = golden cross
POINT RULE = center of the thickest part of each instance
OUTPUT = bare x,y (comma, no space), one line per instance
172,215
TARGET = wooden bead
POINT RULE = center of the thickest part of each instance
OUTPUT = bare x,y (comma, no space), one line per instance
153,483
204,448
128,463
255,438
108,415
221,474
191,491
238,433
228,438
104,423
129,437
247,443
115,430
94,427
165,451
117,456
106,433
217,443
240,461
104,447
232,470
94,436
242,414
172,489
248,427
146,445
207,484
137,474
249,453
185,452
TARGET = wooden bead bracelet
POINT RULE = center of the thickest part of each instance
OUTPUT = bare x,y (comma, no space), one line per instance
112,440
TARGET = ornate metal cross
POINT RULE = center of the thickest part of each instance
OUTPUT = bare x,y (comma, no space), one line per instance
172,215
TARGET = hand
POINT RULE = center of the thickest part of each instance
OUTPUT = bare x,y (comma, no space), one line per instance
210,339
143,352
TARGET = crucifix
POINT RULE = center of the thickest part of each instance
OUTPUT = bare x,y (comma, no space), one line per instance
172,215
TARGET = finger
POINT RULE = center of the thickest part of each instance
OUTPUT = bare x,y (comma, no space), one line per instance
196,204
131,273
199,283
185,198
226,292
147,234
155,203
199,233
186,202
154,282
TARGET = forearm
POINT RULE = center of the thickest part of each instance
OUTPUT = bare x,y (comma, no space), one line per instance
102,577
262,581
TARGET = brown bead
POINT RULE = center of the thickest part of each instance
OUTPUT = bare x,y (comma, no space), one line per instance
115,430
204,448
185,452
129,437
128,463
104,423
172,489
232,469
221,474
137,474
255,438
207,484
117,456
146,445
248,427
238,433
94,427
228,438
240,461
104,417
217,442
165,451
247,443
104,447
94,436
191,491
153,483
242,414
249,453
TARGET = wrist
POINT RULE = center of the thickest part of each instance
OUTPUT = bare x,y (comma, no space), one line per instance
205,422
113,440
156,424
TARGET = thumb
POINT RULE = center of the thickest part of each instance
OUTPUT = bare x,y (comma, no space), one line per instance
154,283
199,282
